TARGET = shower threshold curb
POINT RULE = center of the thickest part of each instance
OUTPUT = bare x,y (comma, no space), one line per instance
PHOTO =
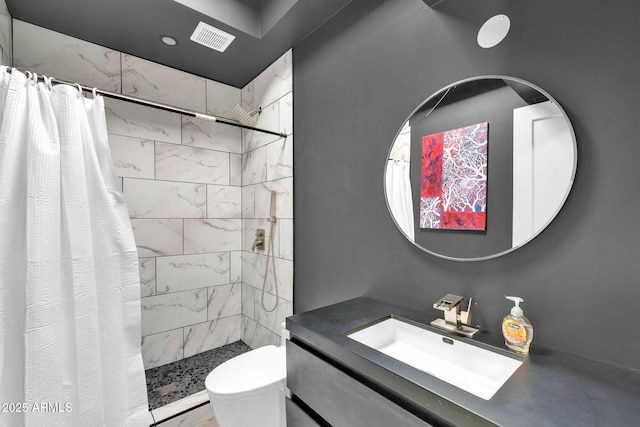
179,407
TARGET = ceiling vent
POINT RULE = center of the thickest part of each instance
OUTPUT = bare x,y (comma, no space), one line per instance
212,37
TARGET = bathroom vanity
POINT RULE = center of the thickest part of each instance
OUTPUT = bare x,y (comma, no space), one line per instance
337,381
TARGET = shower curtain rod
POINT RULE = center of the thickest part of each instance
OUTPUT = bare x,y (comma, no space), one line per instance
160,106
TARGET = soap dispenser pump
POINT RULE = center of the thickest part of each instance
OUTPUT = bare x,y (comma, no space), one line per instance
517,330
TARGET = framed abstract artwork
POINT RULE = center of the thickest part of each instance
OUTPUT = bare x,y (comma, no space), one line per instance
453,192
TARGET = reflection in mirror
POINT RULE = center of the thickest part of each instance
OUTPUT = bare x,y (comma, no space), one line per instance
529,166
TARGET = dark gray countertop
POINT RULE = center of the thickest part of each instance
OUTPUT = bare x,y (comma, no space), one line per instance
550,388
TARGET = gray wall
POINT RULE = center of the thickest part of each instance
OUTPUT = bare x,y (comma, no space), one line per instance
359,76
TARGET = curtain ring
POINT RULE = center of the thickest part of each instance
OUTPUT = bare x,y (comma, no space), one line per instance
95,92
48,82
79,89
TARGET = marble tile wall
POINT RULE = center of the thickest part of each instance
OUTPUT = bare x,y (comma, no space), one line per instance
182,179
267,165
5,35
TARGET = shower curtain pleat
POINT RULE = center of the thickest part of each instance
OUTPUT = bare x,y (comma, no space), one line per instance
399,195
69,290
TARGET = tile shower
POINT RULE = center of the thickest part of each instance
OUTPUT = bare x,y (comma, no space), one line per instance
196,190
5,34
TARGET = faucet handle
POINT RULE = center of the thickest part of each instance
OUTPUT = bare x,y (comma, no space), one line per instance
258,243
465,316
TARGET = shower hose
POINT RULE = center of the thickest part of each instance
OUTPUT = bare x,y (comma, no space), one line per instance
270,252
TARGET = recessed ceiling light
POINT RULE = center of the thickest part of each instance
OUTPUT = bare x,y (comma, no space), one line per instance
493,31
168,40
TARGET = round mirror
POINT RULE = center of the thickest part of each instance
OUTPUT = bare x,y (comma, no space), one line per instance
480,168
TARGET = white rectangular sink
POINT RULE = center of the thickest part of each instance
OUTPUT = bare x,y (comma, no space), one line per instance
471,368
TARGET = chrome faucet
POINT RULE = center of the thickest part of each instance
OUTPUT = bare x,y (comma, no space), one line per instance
455,320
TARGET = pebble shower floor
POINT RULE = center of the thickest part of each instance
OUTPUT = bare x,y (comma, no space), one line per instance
171,382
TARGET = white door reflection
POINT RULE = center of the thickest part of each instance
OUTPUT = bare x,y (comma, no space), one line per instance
542,147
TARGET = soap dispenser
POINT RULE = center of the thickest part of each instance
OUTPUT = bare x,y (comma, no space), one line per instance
517,330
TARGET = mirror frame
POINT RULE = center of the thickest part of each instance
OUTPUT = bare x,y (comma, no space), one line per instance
443,90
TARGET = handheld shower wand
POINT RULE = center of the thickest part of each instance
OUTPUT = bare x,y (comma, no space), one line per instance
272,220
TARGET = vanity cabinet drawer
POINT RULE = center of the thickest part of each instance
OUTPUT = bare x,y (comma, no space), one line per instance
297,417
339,399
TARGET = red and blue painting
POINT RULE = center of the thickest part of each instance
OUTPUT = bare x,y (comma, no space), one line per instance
453,194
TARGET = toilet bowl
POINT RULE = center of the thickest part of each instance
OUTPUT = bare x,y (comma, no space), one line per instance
249,390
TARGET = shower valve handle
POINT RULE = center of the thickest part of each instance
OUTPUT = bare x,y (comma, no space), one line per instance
258,243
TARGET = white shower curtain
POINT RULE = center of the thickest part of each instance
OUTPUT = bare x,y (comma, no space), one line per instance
69,284
398,186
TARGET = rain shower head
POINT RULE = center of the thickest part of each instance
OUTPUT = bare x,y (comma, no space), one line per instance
246,118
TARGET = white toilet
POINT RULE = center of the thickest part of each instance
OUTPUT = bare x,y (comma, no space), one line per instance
249,390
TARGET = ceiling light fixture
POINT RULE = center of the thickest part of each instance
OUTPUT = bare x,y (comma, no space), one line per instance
493,31
168,40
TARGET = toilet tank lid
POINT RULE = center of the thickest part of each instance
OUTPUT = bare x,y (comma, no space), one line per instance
257,369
